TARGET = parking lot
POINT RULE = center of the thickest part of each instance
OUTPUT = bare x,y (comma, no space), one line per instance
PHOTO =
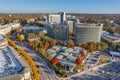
92,60
111,71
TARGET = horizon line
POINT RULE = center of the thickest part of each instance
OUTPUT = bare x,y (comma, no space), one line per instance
51,13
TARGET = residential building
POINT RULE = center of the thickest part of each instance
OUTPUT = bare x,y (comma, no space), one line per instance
88,33
4,29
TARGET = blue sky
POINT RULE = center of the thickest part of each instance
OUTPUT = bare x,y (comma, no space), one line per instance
77,6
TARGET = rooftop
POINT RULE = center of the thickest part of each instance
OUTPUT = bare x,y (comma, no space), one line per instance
33,27
110,36
9,65
65,55
88,25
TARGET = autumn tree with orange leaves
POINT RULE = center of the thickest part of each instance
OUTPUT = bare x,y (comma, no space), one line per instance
79,61
53,42
70,44
55,61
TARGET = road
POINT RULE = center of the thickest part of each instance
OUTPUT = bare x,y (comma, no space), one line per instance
45,72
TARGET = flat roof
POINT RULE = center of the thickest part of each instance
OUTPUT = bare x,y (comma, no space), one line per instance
110,36
9,65
87,25
66,62
33,27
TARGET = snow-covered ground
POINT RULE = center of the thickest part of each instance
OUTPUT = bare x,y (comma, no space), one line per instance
9,65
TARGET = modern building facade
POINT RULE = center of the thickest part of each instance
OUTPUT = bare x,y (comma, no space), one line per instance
58,31
54,18
63,16
57,18
71,25
107,36
88,33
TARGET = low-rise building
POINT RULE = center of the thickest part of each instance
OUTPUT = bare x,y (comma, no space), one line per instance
34,29
4,29
12,65
113,37
66,56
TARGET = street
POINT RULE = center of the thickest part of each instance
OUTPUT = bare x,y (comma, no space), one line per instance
45,72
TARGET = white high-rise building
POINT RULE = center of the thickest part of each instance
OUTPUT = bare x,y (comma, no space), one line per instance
88,33
54,18
57,18
71,25
63,16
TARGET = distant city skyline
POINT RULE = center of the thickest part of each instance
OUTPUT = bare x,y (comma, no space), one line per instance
69,6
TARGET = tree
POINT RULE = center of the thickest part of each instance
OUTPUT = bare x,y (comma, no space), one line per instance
79,61
71,33
70,44
41,34
64,74
82,53
83,44
90,46
46,45
112,30
109,42
103,58
55,61
40,45
49,58
99,47
21,37
34,69
118,30
53,42
104,45
43,51
31,35
62,65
